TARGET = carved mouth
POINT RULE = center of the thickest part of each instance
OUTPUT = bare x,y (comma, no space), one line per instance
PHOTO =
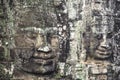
37,62
102,53
44,56
43,62
40,63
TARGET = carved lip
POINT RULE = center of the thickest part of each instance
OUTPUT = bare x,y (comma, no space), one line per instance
103,53
43,62
44,56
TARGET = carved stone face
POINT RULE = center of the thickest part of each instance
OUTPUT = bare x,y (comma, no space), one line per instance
98,44
98,36
37,49
36,39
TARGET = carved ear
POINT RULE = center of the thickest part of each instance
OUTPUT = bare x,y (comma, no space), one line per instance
83,34
95,13
88,28
2,53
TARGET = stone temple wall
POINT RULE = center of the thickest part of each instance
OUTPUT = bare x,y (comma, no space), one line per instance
87,46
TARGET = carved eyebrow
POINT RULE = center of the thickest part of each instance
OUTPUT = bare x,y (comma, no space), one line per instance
33,29
101,32
51,30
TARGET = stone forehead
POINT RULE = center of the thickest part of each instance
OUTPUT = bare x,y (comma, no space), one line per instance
99,30
102,29
38,16
38,20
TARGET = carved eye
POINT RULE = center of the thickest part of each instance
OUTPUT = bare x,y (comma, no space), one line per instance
109,35
99,36
32,35
54,41
54,37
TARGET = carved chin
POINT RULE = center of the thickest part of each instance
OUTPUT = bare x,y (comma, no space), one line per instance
47,67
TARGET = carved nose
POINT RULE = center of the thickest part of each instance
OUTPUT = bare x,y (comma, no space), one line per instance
105,43
105,46
42,44
45,48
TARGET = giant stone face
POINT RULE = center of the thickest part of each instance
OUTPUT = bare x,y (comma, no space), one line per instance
36,41
98,45
97,38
